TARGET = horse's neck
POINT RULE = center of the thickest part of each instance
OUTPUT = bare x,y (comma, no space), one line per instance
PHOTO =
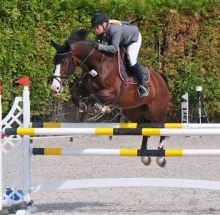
83,51
90,58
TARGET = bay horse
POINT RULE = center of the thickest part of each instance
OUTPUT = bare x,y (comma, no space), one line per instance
101,81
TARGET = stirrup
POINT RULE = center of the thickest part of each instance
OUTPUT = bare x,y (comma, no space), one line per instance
143,91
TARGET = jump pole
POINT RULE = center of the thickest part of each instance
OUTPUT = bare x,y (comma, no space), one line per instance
112,131
127,152
123,125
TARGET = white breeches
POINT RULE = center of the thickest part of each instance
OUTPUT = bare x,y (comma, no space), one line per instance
133,51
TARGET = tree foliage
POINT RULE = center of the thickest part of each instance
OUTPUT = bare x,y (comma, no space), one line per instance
180,38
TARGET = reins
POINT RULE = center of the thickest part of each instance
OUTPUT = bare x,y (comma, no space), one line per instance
86,57
71,59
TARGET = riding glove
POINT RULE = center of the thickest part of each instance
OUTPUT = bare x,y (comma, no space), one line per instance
96,45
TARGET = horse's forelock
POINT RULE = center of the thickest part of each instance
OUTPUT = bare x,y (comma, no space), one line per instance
79,35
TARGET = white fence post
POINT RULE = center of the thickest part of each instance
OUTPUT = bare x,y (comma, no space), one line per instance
26,144
185,109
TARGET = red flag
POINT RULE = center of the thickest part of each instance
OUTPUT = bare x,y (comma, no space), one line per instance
4,135
24,81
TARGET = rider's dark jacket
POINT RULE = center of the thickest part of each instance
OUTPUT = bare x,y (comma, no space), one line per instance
116,36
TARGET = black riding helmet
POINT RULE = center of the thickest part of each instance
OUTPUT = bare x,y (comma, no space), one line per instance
98,19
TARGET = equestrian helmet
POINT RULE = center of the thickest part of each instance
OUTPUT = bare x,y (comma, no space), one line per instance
98,19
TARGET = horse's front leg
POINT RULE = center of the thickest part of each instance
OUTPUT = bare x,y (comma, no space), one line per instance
104,96
76,96
161,161
94,102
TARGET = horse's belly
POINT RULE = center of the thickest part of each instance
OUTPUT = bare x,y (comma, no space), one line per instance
131,100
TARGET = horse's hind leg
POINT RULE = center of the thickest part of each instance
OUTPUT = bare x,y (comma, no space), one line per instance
136,115
161,161
157,116
145,160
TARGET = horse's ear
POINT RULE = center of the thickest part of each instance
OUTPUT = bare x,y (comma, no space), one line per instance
68,45
56,46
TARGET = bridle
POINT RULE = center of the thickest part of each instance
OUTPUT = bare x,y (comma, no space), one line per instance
68,71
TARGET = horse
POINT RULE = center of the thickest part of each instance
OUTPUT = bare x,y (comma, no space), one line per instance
101,80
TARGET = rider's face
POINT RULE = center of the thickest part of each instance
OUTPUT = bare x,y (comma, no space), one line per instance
99,29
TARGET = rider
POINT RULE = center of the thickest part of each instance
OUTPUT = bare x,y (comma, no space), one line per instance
116,33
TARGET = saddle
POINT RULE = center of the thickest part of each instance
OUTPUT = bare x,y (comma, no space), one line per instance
124,70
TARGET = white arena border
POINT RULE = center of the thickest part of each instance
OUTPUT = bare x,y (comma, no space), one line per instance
126,182
89,183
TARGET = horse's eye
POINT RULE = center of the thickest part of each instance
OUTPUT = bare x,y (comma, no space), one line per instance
64,63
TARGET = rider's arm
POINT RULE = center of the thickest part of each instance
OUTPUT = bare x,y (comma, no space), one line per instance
113,41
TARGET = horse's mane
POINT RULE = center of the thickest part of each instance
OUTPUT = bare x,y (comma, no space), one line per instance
78,35
81,35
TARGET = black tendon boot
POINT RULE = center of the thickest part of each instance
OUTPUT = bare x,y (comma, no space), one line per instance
139,76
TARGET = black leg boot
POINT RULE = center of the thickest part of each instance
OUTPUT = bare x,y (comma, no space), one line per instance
139,76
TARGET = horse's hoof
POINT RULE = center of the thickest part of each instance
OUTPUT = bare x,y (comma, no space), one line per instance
98,108
146,161
161,161
82,107
106,109
92,99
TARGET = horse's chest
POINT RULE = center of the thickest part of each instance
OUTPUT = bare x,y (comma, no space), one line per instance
95,84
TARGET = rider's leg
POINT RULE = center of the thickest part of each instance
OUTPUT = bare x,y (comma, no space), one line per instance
133,51
138,73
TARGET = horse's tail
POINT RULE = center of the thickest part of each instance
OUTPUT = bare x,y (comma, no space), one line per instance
164,78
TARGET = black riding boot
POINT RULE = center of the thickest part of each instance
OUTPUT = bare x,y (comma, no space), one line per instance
139,76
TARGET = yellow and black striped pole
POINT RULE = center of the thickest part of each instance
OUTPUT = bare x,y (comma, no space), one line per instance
123,125
127,152
104,125
112,131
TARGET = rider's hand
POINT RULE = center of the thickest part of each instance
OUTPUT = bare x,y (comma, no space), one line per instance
96,45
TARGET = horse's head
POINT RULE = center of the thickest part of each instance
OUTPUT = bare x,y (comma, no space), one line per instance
62,62
65,63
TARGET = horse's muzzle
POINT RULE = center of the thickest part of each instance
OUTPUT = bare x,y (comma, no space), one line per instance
57,88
